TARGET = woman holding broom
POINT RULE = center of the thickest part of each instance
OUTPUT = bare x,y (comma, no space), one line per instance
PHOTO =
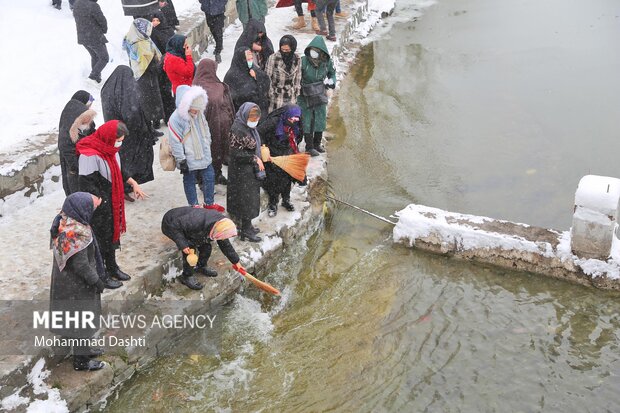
245,171
280,132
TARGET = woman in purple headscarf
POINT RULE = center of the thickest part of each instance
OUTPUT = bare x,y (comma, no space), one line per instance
281,133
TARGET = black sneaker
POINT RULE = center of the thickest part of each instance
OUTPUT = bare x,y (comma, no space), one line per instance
312,152
320,149
286,203
218,58
158,134
272,210
191,282
207,271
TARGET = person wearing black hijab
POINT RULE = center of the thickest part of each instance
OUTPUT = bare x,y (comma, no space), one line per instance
284,71
247,82
121,101
80,103
244,167
160,35
167,8
255,38
179,62
77,272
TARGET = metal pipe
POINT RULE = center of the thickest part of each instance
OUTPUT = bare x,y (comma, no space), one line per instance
362,210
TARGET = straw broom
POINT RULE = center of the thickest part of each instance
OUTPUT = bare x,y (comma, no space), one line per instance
295,165
260,284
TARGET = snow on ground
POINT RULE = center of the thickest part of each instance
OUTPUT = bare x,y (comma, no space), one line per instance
48,65
418,221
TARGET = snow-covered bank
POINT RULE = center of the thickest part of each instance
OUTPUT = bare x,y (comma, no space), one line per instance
49,66
507,244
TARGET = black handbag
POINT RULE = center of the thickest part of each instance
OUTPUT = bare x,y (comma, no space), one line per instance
315,94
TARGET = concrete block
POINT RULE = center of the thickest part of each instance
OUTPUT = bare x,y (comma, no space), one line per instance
595,216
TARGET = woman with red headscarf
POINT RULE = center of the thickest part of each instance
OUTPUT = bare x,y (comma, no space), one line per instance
100,174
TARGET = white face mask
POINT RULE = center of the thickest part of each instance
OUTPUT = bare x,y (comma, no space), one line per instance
118,144
250,64
252,124
314,54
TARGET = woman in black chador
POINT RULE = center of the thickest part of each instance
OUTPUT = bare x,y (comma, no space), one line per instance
121,101
247,81
244,167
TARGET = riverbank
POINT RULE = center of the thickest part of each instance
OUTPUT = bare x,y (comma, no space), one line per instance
147,256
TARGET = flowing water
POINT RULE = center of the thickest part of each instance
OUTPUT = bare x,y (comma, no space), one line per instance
479,106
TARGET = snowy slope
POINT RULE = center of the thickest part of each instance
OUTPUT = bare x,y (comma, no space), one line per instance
43,65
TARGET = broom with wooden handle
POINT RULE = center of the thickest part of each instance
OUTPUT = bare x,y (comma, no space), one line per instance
260,284
295,165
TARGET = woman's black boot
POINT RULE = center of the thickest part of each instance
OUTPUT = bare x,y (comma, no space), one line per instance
247,232
309,139
318,138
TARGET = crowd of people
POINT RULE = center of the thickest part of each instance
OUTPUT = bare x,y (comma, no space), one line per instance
271,97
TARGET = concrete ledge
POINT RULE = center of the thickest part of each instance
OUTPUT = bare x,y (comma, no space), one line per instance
502,243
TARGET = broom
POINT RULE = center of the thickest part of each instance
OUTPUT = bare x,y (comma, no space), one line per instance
260,284
295,165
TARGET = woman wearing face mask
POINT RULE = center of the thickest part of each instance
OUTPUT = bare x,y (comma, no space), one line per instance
77,272
254,37
317,74
280,132
247,82
101,175
72,126
284,71
245,170
178,62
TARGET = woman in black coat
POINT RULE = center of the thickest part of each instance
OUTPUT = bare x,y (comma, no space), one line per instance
280,132
79,103
77,269
101,173
247,84
255,38
120,100
195,228
243,192
160,36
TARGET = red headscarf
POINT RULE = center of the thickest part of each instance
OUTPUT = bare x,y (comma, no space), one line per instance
101,143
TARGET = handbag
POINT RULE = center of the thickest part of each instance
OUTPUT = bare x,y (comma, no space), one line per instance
315,94
166,159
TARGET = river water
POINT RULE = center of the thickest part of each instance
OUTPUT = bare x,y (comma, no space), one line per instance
494,108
